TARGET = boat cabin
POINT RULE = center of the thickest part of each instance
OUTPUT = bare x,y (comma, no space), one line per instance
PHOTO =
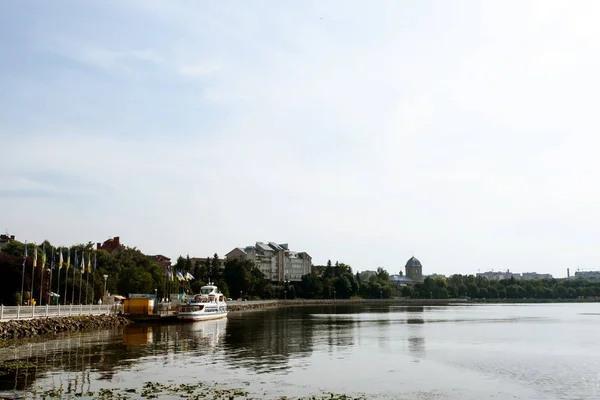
209,294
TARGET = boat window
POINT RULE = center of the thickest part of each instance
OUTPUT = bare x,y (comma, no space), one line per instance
205,290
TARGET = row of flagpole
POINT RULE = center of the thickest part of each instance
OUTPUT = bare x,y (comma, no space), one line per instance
77,267
171,274
176,276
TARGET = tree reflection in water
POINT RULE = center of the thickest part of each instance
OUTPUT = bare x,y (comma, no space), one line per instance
260,341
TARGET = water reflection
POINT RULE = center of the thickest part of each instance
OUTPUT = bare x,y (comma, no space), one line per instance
137,335
416,345
261,342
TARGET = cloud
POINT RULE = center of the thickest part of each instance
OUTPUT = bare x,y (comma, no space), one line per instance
198,70
366,136
104,58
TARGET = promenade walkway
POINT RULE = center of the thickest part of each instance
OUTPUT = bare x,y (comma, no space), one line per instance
8,313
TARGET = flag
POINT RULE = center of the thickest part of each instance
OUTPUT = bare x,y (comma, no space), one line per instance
60,259
68,259
52,262
44,256
76,261
82,269
89,270
189,276
35,256
95,262
180,276
25,256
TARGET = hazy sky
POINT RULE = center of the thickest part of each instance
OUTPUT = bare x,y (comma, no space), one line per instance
463,132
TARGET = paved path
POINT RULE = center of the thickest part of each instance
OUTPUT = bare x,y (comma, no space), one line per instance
8,313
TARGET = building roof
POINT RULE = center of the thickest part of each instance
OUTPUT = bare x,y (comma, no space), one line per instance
400,278
413,262
263,246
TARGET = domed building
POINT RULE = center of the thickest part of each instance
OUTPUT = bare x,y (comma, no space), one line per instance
414,269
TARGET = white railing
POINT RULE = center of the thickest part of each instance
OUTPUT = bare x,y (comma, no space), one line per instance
30,312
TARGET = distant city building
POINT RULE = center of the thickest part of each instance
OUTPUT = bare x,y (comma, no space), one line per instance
535,275
5,240
202,261
414,269
112,246
587,274
365,275
499,275
400,280
162,260
276,261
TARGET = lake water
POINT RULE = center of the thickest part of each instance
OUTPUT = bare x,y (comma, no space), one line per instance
549,351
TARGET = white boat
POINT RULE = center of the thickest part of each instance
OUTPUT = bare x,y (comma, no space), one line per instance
208,304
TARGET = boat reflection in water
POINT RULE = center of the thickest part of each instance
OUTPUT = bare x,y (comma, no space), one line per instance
134,335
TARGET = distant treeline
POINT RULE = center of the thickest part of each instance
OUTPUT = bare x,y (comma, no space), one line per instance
481,288
130,271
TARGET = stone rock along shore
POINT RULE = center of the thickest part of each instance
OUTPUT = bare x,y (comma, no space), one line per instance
42,326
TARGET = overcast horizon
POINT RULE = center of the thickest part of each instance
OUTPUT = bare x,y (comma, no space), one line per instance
461,132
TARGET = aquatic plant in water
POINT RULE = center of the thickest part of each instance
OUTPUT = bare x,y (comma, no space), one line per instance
156,390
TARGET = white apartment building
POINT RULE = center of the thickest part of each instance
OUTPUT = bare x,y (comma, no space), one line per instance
587,274
499,275
535,275
276,261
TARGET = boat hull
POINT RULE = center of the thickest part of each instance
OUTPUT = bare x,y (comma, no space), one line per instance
200,316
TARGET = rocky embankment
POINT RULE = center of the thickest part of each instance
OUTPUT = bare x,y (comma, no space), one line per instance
43,326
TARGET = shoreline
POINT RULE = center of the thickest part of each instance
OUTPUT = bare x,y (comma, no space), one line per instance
238,306
41,328
48,327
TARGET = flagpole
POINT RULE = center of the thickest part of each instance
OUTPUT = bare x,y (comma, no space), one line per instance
23,273
73,291
81,275
51,269
58,284
93,275
87,281
33,274
67,272
42,273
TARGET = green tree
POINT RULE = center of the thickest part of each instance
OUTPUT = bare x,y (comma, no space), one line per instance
483,293
472,290
312,286
514,291
562,292
243,276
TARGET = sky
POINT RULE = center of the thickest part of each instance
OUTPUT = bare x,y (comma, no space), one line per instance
464,133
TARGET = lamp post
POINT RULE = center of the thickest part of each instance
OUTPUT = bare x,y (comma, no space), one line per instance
334,294
285,294
155,293
381,295
240,295
105,278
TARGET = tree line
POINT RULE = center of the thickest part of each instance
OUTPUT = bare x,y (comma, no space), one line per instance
130,271
478,287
